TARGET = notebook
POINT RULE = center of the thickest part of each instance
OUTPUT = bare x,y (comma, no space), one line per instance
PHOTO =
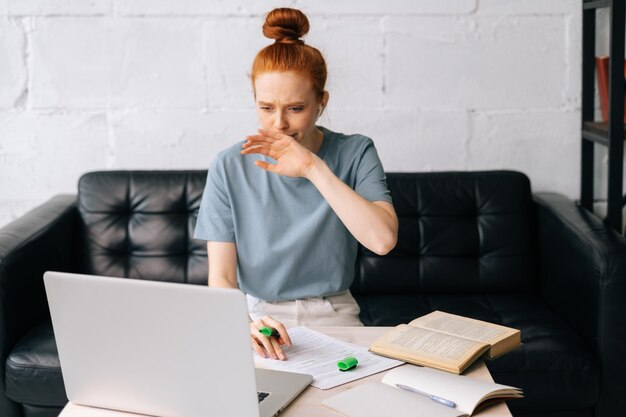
161,349
412,390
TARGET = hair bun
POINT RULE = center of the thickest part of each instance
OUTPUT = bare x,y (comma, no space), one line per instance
286,25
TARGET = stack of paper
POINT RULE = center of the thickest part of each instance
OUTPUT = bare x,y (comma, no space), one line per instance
316,354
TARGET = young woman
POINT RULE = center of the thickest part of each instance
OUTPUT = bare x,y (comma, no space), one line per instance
282,212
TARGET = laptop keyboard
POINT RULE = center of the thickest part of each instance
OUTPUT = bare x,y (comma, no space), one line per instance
262,395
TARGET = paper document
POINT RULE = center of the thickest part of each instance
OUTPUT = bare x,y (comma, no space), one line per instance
316,354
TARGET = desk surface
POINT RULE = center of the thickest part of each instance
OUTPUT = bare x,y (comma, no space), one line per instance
308,404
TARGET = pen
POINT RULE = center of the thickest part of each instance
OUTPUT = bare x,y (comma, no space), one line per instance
440,400
269,331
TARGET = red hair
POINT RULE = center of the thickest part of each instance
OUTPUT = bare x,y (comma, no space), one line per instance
288,52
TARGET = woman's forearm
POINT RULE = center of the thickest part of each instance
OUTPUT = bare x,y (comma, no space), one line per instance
222,264
373,224
221,282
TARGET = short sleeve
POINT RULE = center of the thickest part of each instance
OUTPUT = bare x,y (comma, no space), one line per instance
215,216
371,182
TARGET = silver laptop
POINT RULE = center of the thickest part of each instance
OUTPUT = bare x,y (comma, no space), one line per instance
162,349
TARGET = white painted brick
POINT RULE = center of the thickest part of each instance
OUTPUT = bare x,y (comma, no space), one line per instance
109,62
58,7
603,32
231,45
408,140
601,170
352,48
479,63
176,139
159,63
326,7
196,7
533,7
44,154
572,75
71,61
12,63
385,8
545,145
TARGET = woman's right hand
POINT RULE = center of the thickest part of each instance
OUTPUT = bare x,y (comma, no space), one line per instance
269,346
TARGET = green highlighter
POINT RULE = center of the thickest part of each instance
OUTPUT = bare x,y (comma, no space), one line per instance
347,363
269,332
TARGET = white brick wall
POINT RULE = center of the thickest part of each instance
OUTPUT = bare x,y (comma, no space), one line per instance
57,7
175,139
103,62
196,7
538,143
231,44
164,84
12,63
42,154
486,63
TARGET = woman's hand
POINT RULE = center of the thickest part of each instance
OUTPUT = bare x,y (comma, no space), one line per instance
269,346
292,159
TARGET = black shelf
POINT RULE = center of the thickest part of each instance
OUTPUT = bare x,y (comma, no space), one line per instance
609,134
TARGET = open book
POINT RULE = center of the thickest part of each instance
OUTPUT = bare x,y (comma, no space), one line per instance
464,395
446,341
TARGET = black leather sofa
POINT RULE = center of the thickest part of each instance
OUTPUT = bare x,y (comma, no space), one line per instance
472,243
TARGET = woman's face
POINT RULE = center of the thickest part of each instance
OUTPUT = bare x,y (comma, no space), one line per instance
286,103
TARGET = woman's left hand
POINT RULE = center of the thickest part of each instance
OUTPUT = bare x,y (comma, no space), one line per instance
292,159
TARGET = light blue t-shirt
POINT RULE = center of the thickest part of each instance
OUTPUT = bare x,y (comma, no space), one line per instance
290,243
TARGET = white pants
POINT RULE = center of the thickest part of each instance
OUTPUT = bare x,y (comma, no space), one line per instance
336,310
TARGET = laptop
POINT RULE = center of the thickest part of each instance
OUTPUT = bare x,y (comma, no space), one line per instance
162,349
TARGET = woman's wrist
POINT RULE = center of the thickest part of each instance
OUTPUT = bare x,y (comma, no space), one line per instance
314,171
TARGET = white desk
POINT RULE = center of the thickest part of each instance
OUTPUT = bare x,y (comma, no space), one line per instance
308,404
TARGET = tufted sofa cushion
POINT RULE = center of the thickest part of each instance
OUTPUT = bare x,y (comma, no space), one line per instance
140,225
459,232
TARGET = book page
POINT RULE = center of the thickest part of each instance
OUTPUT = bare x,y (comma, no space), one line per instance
467,393
431,345
462,326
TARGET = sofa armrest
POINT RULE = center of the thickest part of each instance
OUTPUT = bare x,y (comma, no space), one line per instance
583,279
40,240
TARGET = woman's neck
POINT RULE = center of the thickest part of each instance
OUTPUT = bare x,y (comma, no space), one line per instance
314,141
